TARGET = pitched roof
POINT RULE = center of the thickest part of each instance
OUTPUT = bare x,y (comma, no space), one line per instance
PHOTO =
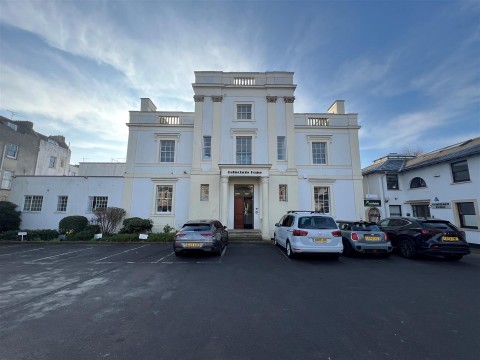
402,163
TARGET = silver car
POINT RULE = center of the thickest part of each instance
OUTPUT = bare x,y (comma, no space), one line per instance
361,237
206,235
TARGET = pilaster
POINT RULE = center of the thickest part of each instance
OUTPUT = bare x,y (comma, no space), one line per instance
217,117
272,130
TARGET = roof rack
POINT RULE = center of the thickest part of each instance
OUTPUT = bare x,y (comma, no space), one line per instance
304,211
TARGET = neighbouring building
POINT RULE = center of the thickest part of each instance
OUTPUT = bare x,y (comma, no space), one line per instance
444,184
23,151
242,156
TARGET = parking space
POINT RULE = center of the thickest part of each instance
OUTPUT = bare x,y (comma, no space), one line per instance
123,301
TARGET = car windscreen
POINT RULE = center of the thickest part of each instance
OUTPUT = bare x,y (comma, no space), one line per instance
196,227
444,226
316,222
365,227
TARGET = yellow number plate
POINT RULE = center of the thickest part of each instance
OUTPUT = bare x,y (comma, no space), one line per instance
372,238
192,245
322,240
450,238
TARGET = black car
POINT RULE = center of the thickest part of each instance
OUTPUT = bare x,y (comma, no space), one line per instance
208,235
415,236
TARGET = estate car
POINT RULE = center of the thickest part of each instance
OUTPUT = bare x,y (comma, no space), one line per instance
206,235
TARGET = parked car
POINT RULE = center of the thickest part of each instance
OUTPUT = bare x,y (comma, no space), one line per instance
206,235
308,232
414,236
359,237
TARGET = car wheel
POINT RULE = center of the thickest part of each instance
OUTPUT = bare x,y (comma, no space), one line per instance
275,242
407,249
289,250
453,257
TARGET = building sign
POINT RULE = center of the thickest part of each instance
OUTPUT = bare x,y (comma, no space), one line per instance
441,205
244,172
372,202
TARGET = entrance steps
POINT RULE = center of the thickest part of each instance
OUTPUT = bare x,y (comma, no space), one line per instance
242,235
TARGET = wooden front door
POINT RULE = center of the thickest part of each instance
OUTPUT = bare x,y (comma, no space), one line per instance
238,213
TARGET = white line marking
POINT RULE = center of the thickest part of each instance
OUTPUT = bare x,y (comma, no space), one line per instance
70,252
123,252
281,251
154,262
20,252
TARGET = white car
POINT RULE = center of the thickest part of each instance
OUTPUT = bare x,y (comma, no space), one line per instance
308,232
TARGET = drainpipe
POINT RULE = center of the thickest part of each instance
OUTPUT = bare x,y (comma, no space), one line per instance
384,177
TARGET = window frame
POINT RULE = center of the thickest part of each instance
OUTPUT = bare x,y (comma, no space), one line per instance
281,148
460,215
395,214
417,183
94,200
33,203
8,150
62,203
328,200
389,183
283,196
205,147
52,163
204,192
455,173
251,149
6,183
169,200
327,139
244,103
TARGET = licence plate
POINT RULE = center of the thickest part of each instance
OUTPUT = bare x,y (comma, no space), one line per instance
372,238
321,240
192,245
450,238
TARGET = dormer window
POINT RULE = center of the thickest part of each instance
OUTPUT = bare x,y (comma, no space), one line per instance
417,182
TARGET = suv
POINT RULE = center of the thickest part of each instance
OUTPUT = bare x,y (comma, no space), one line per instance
207,235
363,237
308,232
413,236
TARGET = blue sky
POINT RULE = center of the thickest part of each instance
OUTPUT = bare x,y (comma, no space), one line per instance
410,69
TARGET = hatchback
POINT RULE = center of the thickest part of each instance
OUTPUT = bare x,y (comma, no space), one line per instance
414,236
206,235
361,237
308,232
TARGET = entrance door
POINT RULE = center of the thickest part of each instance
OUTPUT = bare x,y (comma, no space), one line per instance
243,207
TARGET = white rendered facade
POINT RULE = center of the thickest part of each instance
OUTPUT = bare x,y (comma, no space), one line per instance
440,195
228,148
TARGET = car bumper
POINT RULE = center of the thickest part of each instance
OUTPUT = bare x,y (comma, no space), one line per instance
206,247
323,249
372,248
445,249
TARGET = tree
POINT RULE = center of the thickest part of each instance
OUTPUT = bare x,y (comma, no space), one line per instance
108,218
412,150
9,217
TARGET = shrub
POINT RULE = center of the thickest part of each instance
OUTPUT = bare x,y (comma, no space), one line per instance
167,228
9,217
108,218
9,235
32,235
136,225
83,235
161,237
72,224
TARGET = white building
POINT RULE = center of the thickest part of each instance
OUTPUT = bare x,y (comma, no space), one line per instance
243,156
444,184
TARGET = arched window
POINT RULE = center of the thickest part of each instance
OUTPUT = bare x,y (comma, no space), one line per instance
417,182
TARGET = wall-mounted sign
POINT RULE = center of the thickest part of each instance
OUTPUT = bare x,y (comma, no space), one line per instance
441,205
372,202
244,172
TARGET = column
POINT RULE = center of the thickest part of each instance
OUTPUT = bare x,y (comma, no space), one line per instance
197,132
217,118
290,133
224,200
265,217
272,130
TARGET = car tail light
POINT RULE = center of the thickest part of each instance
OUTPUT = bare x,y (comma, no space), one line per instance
428,232
354,236
386,237
208,235
297,232
179,235
337,233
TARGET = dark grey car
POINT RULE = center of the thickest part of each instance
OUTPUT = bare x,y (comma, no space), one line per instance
363,237
208,235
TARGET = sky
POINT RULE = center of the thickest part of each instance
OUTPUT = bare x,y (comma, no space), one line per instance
409,69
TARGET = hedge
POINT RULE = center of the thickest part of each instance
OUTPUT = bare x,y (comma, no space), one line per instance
32,235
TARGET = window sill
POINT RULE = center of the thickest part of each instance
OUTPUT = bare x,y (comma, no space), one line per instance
461,182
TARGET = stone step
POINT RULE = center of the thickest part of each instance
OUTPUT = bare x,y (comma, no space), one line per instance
244,235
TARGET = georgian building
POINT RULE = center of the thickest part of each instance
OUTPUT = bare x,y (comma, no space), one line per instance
444,184
242,156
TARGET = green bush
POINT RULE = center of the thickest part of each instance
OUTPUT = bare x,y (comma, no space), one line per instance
72,224
167,228
9,217
82,235
32,235
9,235
161,237
136,225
